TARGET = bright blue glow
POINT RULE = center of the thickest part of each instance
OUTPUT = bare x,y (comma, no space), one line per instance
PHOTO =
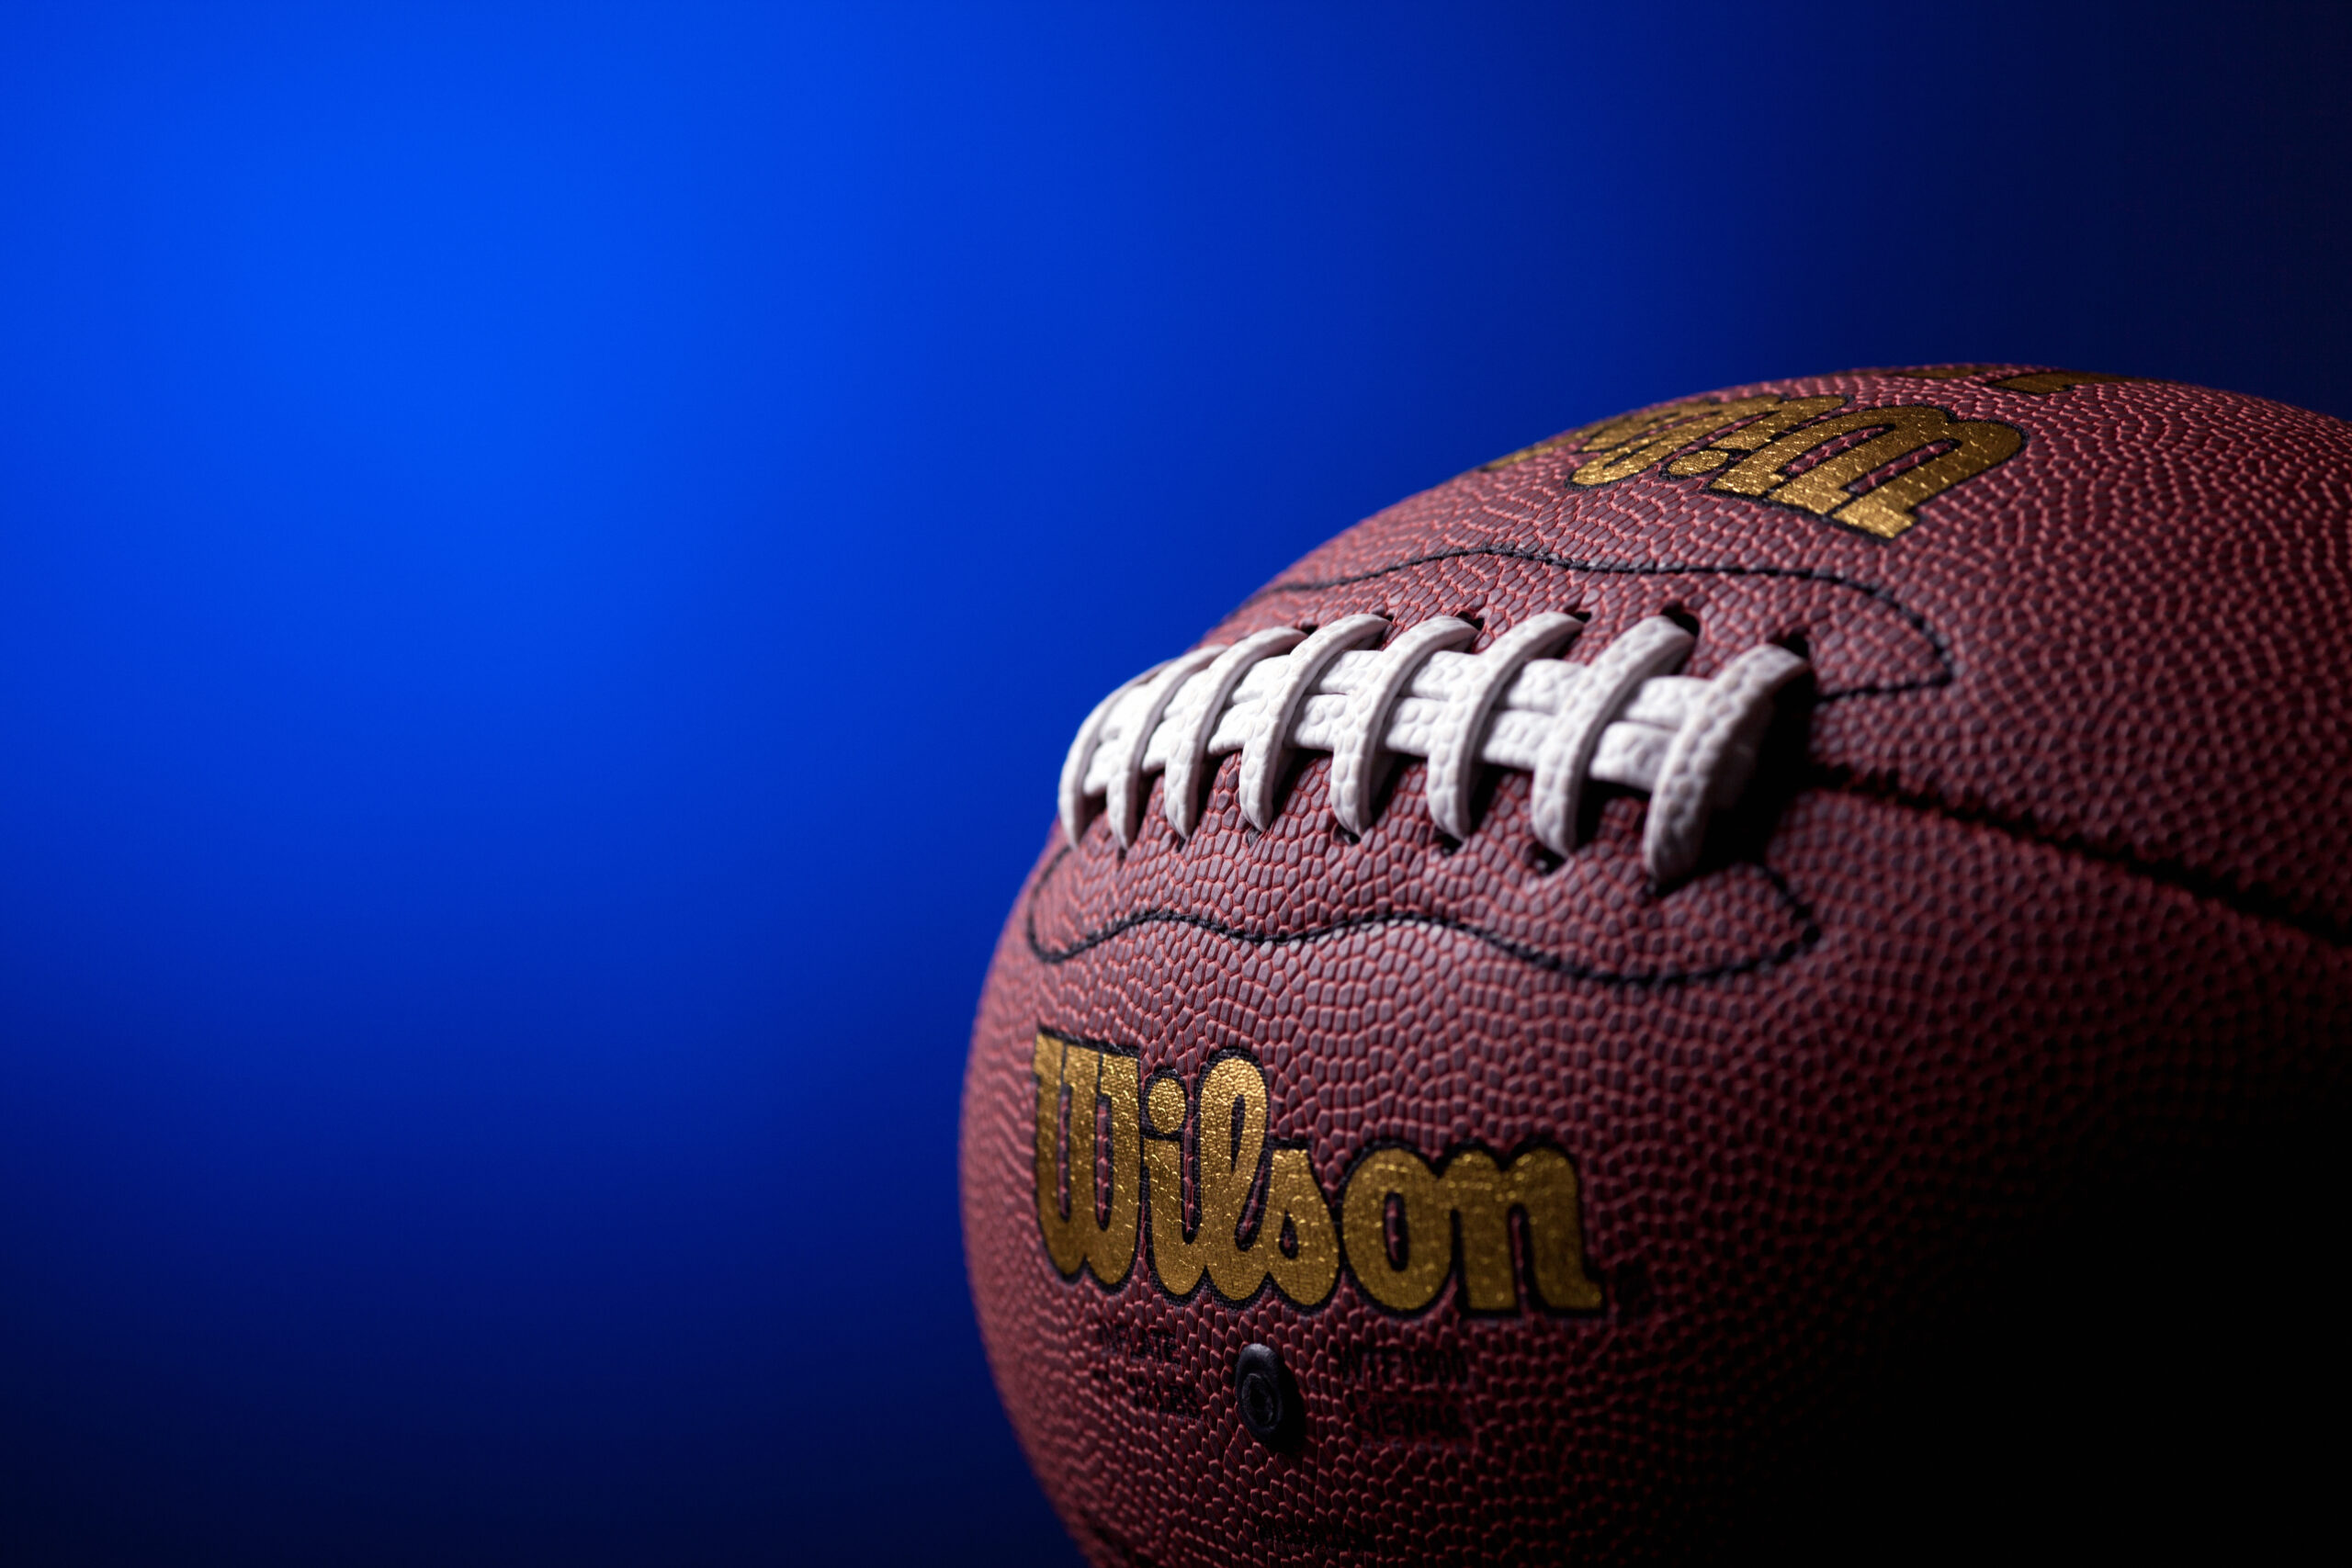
547,556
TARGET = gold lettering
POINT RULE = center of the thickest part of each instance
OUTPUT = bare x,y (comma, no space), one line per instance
1097,1082
1263,1216
1410,1283
1175,1258
1667,431
1750,436
1887,507
1627,428
1477,1196
1294,1202
1177,1261
1689,420
1226,1156
1542,1185
1769,433
1227,1161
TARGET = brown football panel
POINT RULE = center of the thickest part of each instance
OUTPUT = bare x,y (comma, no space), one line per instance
1788,1175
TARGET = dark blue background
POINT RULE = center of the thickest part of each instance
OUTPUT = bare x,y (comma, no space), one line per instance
549,555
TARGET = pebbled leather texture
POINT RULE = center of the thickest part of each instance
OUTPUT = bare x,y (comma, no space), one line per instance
2042,888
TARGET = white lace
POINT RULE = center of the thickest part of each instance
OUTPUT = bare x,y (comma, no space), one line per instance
1624,718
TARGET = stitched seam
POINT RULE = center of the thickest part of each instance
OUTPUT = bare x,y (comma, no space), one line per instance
1948,666
1808,933
2257,903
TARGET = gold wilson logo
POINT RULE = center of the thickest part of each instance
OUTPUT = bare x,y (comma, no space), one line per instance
1868,468
1241,1213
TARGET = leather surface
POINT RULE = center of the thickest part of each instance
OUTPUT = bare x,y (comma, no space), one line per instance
2045,886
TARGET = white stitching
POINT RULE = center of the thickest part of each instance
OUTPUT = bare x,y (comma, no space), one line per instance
1622,720
1189,748
1713,754
1124,798
1355,752
1453,759
1654,647
1079,763
1279,711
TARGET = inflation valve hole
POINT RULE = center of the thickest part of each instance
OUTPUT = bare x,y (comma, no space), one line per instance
1269,1399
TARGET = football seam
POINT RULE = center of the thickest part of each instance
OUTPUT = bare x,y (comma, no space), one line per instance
2254,902
1943,676
1807,933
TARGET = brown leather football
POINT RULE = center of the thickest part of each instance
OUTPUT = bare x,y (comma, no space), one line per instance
1773,967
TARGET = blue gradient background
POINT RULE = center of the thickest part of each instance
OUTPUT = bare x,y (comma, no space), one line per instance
549,555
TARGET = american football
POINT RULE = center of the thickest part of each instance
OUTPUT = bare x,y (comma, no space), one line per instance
1756,968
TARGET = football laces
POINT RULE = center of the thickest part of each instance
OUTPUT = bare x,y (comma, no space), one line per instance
1351,690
